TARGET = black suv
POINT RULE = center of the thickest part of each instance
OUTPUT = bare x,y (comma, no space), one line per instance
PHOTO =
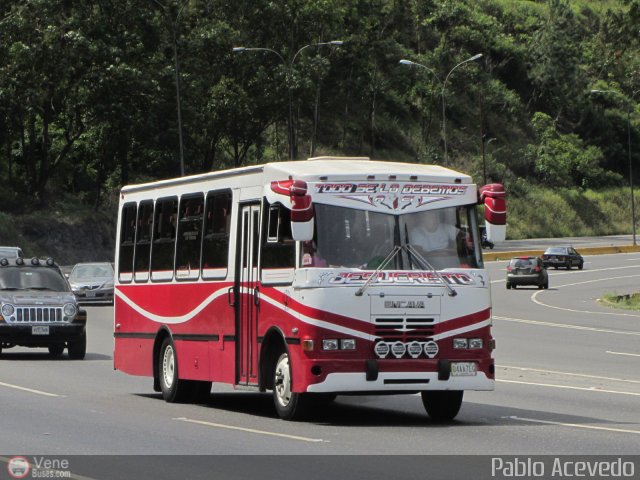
38,308
527,271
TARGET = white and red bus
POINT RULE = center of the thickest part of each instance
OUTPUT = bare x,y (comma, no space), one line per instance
310,279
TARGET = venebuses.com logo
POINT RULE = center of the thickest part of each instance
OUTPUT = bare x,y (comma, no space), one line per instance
39,467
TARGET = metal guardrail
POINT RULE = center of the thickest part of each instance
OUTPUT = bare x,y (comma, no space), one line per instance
506,255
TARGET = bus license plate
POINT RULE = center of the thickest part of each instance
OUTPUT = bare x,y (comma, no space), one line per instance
40,330
464,369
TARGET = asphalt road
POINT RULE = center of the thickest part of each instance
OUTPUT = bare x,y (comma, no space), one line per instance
568,382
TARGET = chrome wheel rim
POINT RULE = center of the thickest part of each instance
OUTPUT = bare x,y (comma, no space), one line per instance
282,381
168,366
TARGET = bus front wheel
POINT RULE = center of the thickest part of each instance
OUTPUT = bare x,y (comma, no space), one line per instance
289,405
442,405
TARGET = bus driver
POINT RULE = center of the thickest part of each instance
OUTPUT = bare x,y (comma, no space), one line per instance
430,233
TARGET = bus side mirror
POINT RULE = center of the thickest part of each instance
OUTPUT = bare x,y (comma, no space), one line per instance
301,212
301,207
495,211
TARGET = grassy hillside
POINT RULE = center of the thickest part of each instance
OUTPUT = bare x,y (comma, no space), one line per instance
541,213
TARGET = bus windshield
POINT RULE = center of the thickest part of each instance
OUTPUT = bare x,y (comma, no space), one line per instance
351,238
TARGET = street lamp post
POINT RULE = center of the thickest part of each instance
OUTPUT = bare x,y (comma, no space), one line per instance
444,84
174,26
289,74
484,165
444,120
633,202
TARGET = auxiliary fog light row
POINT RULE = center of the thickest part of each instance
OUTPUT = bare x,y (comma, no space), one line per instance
398,349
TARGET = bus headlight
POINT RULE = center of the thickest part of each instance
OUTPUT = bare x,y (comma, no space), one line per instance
476,343
347,344
330,344
460,343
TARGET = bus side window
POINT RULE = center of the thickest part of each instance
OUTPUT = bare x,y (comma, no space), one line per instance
189,237
143,241
217,230
164,236
127,239
278,246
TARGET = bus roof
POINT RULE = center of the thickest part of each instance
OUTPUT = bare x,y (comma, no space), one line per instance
325,169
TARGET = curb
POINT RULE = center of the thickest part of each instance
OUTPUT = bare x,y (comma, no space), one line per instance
493,256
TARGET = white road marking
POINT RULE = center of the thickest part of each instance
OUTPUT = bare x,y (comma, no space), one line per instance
251,430
597,377
30,390
574,425
623,353
563,325
535,300
570,387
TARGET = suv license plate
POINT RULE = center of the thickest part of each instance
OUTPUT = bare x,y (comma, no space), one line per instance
40,330
464,369
91,294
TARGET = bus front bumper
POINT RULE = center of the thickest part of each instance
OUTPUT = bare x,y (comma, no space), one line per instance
398,382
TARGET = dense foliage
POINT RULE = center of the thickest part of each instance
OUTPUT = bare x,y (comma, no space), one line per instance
88,94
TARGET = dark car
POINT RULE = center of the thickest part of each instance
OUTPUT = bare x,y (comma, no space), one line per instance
38,308
527,271
566,257
92,283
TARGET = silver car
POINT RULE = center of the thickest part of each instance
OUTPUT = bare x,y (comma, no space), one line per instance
92,283
11,252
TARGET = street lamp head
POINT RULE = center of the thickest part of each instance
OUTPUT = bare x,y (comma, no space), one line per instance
239,49
475,57
406,62
336,42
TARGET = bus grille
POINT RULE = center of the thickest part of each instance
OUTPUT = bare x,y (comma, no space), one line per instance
404,329
38,314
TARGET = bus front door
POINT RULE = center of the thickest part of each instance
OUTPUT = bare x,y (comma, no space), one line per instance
248,295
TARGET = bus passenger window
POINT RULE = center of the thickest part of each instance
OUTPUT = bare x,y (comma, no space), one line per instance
189,237
143,241
127,239
164,235
217,229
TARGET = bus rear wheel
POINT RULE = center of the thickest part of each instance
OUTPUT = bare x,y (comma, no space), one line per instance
442,405
174,390
289,405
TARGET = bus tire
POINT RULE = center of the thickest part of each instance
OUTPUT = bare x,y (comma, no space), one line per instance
442,405
174,390
78,348
289,405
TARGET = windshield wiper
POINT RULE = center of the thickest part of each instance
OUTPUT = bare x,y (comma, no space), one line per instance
381,267
11,288
43,288
424,264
